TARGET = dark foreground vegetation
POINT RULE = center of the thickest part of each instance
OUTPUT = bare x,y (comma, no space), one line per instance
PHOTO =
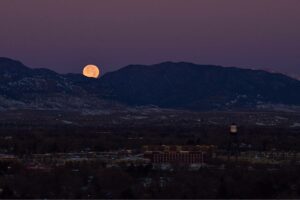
219,178
94,181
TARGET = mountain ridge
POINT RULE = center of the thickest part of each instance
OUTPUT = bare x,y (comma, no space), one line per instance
175,85
198,83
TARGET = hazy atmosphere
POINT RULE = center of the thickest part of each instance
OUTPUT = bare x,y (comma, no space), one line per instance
64,35
153,99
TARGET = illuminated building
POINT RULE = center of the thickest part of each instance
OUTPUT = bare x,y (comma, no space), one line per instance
179,154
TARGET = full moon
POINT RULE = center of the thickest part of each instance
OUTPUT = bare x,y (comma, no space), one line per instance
91,71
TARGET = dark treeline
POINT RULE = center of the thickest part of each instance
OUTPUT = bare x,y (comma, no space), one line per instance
94,181
69,138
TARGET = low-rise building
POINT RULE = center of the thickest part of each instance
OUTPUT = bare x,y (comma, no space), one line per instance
175,154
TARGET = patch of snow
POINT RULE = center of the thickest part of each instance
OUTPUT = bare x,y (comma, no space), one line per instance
281,118
295,125
260,124
67,122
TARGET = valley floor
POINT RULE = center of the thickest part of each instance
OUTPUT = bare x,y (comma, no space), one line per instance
53,154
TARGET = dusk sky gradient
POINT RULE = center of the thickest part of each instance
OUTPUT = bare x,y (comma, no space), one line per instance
64,35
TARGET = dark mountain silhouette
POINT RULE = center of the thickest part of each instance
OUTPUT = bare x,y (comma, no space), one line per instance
22,87
201,87
168,85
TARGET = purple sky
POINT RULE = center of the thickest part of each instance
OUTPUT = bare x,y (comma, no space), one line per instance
64,35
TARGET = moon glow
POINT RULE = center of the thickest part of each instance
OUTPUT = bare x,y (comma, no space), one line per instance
91,71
